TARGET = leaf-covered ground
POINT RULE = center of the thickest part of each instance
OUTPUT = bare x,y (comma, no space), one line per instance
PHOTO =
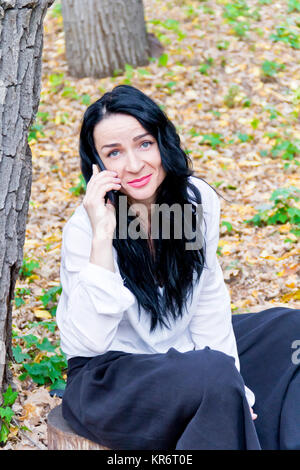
229,78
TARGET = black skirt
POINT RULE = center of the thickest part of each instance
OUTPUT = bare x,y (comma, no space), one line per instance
196,399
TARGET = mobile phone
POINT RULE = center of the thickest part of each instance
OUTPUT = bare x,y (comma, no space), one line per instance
110,194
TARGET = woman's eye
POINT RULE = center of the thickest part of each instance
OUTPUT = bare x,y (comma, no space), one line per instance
113,153
146,144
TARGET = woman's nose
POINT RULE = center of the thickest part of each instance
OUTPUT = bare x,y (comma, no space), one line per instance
134,162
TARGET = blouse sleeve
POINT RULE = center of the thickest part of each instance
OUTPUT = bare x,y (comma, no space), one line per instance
93,299
211,325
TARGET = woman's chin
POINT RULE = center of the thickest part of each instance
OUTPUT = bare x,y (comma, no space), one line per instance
140,195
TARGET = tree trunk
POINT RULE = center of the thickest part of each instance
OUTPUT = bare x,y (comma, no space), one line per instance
103,35
21,42
62,437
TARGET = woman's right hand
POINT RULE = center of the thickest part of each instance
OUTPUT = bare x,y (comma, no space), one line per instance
102,216
253,415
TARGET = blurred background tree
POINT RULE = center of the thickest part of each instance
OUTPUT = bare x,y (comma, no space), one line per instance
102,36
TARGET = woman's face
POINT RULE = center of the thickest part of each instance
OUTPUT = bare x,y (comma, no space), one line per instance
126,147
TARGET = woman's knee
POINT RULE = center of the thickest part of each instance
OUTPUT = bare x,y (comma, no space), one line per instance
222,376
293,314
207,370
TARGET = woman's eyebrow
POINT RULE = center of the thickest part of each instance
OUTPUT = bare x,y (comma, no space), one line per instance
134,139
140,136
110,145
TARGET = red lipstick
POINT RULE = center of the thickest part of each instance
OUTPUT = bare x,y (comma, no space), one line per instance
140,182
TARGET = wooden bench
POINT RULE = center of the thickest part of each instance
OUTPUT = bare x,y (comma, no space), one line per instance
62,437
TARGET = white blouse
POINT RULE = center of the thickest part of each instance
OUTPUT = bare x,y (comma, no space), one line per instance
97,313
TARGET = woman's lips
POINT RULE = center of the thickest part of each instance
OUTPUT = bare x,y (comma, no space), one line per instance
140,182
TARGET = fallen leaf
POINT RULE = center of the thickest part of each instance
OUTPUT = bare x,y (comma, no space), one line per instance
41,313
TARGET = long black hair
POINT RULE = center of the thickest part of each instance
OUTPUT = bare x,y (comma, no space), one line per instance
172,266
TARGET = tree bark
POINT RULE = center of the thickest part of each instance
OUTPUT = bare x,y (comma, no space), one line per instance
62,437
102,36
21,43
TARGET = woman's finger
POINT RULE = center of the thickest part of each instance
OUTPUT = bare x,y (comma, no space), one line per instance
94,185
101,178
98,192
97,172
254,415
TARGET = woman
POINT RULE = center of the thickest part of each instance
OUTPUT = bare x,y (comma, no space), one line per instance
145,320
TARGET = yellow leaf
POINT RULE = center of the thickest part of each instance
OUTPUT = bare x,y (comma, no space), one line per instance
291,296
52,238
287,255
249,163
264,254
291,285
223,123
256,72
42,313
53,283
31,243
57,119
227,249
289,270
39,357
284,228
13,431
55,248
47,153
27,409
